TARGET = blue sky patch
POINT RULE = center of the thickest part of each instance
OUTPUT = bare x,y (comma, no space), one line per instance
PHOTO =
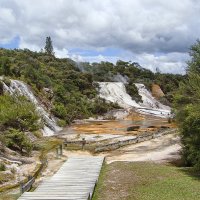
104,52
12,44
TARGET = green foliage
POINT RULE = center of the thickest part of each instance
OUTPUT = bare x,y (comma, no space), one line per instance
5,66
99,106
16,139
189,121
133,91
59,110
61,123
186,103
1,88
7,81
49,46
2,167
74,91
17,115
17,112
106,71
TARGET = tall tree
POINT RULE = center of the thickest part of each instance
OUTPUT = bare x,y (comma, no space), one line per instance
49,46
187,104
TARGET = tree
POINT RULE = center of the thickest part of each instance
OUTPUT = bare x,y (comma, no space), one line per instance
49,46
187,102
5,66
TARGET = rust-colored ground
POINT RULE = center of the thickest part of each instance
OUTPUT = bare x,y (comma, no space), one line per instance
146,123
156,91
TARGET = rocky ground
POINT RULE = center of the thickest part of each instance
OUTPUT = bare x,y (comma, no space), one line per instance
162,149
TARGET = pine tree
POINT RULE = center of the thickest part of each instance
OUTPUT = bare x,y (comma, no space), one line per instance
49,46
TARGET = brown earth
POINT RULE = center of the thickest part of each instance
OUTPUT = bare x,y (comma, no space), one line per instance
156,91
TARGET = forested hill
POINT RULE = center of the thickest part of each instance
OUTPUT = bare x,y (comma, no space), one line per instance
130,73
73,84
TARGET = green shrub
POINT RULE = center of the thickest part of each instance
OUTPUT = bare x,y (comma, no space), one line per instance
16,139
7,81
133,92
18,113
1,88
37,134
59,110
61,123
2,167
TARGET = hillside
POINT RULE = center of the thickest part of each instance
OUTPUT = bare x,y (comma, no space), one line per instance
58,91
63,90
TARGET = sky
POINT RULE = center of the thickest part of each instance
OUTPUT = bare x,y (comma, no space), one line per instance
154,33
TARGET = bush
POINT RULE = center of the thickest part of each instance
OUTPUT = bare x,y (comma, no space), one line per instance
2,167
133,92
1,88
16,139
59,110
61,123
18,113
7,81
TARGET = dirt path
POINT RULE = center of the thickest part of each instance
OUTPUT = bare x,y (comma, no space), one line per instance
160,149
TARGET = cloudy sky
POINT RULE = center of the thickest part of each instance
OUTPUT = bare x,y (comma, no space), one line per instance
155,33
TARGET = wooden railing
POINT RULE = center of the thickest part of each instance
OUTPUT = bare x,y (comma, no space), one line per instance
24,187
28,185
137,139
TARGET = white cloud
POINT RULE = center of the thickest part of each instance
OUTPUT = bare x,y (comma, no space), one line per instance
61,53
142,27
167,63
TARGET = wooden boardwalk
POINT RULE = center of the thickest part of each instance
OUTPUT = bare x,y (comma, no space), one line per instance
75,180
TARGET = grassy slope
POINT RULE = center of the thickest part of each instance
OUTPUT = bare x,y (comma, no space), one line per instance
146,181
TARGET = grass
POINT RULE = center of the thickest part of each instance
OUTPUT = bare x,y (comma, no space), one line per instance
46,144
9,196
147,181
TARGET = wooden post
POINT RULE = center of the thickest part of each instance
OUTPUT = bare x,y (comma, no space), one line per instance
29,177
83,143
21,188
57,152
61,149
65,142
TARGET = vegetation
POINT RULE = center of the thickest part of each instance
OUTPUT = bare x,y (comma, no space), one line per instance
133,73
16,112
49,46
2,167
66,88
71,93
44,145
188,111
146,181
17,115
14,139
